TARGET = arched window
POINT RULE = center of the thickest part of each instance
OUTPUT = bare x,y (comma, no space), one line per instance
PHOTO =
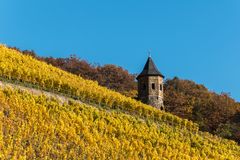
161,87
153,85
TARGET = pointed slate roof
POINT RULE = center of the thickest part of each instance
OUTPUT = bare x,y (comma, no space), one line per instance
150,69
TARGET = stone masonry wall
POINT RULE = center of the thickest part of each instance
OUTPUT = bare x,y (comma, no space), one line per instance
152,92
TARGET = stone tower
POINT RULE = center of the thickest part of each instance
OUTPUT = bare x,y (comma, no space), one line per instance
150,85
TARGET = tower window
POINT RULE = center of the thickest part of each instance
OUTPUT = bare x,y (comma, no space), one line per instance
153,85
161,87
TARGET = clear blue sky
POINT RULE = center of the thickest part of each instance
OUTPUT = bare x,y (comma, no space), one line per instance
192,39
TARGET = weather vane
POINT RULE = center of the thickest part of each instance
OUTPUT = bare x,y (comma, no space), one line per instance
149,52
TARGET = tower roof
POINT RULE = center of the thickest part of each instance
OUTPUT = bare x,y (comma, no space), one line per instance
150,69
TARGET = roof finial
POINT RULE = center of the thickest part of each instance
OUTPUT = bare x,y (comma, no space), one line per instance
149,52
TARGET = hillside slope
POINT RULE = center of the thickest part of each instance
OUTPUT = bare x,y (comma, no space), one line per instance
213,112
35,126
28,71
39,127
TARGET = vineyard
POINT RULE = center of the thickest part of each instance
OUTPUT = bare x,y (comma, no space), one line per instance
39,127
107,125
26,70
